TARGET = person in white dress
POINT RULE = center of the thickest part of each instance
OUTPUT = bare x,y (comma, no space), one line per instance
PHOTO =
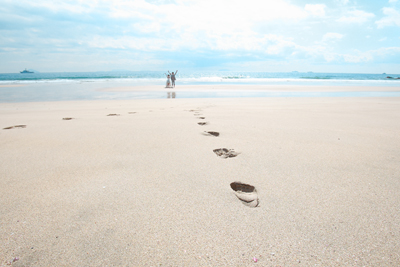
168,85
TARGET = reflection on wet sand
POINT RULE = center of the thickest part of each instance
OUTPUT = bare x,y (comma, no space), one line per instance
171,95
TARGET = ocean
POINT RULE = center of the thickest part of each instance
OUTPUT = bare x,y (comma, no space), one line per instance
55,86
158,77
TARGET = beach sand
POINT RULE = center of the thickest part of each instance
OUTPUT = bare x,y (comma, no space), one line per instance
143,186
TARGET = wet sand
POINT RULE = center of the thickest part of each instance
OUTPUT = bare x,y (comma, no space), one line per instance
253,87
11,85
137,182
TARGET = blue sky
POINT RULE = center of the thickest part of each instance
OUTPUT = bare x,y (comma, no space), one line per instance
256,35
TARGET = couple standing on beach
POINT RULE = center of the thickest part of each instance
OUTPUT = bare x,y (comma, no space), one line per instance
171,77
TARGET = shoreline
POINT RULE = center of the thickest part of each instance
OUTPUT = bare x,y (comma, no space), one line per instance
252,87
115,91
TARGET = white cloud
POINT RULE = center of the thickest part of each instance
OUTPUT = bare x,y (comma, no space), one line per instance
353,58
193,19
191,25
60,5
226,16
356,16
216,25
267,44
343,2
368,56
387,51
317,10
392,1
150,27
260,29
392,18
331,36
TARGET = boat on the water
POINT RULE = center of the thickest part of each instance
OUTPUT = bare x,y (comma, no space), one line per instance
26,71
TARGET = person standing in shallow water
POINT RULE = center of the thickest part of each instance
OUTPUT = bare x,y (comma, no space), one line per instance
173,78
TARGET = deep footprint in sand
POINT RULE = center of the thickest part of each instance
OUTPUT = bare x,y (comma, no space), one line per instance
201,118
225,153
211,133
246,193
15,126
202,123
113,115
68,119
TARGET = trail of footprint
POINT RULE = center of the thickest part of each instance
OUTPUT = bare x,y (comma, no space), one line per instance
15,126
246,193
225,153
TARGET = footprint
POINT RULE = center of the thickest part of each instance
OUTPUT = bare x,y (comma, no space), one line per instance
202,123
246,193
131,112
211,133
202,118
225,153
15,126
68,119
113,115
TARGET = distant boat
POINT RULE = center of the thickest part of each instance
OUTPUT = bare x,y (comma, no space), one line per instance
26,71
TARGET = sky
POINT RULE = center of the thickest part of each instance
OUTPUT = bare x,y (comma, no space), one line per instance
347,36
